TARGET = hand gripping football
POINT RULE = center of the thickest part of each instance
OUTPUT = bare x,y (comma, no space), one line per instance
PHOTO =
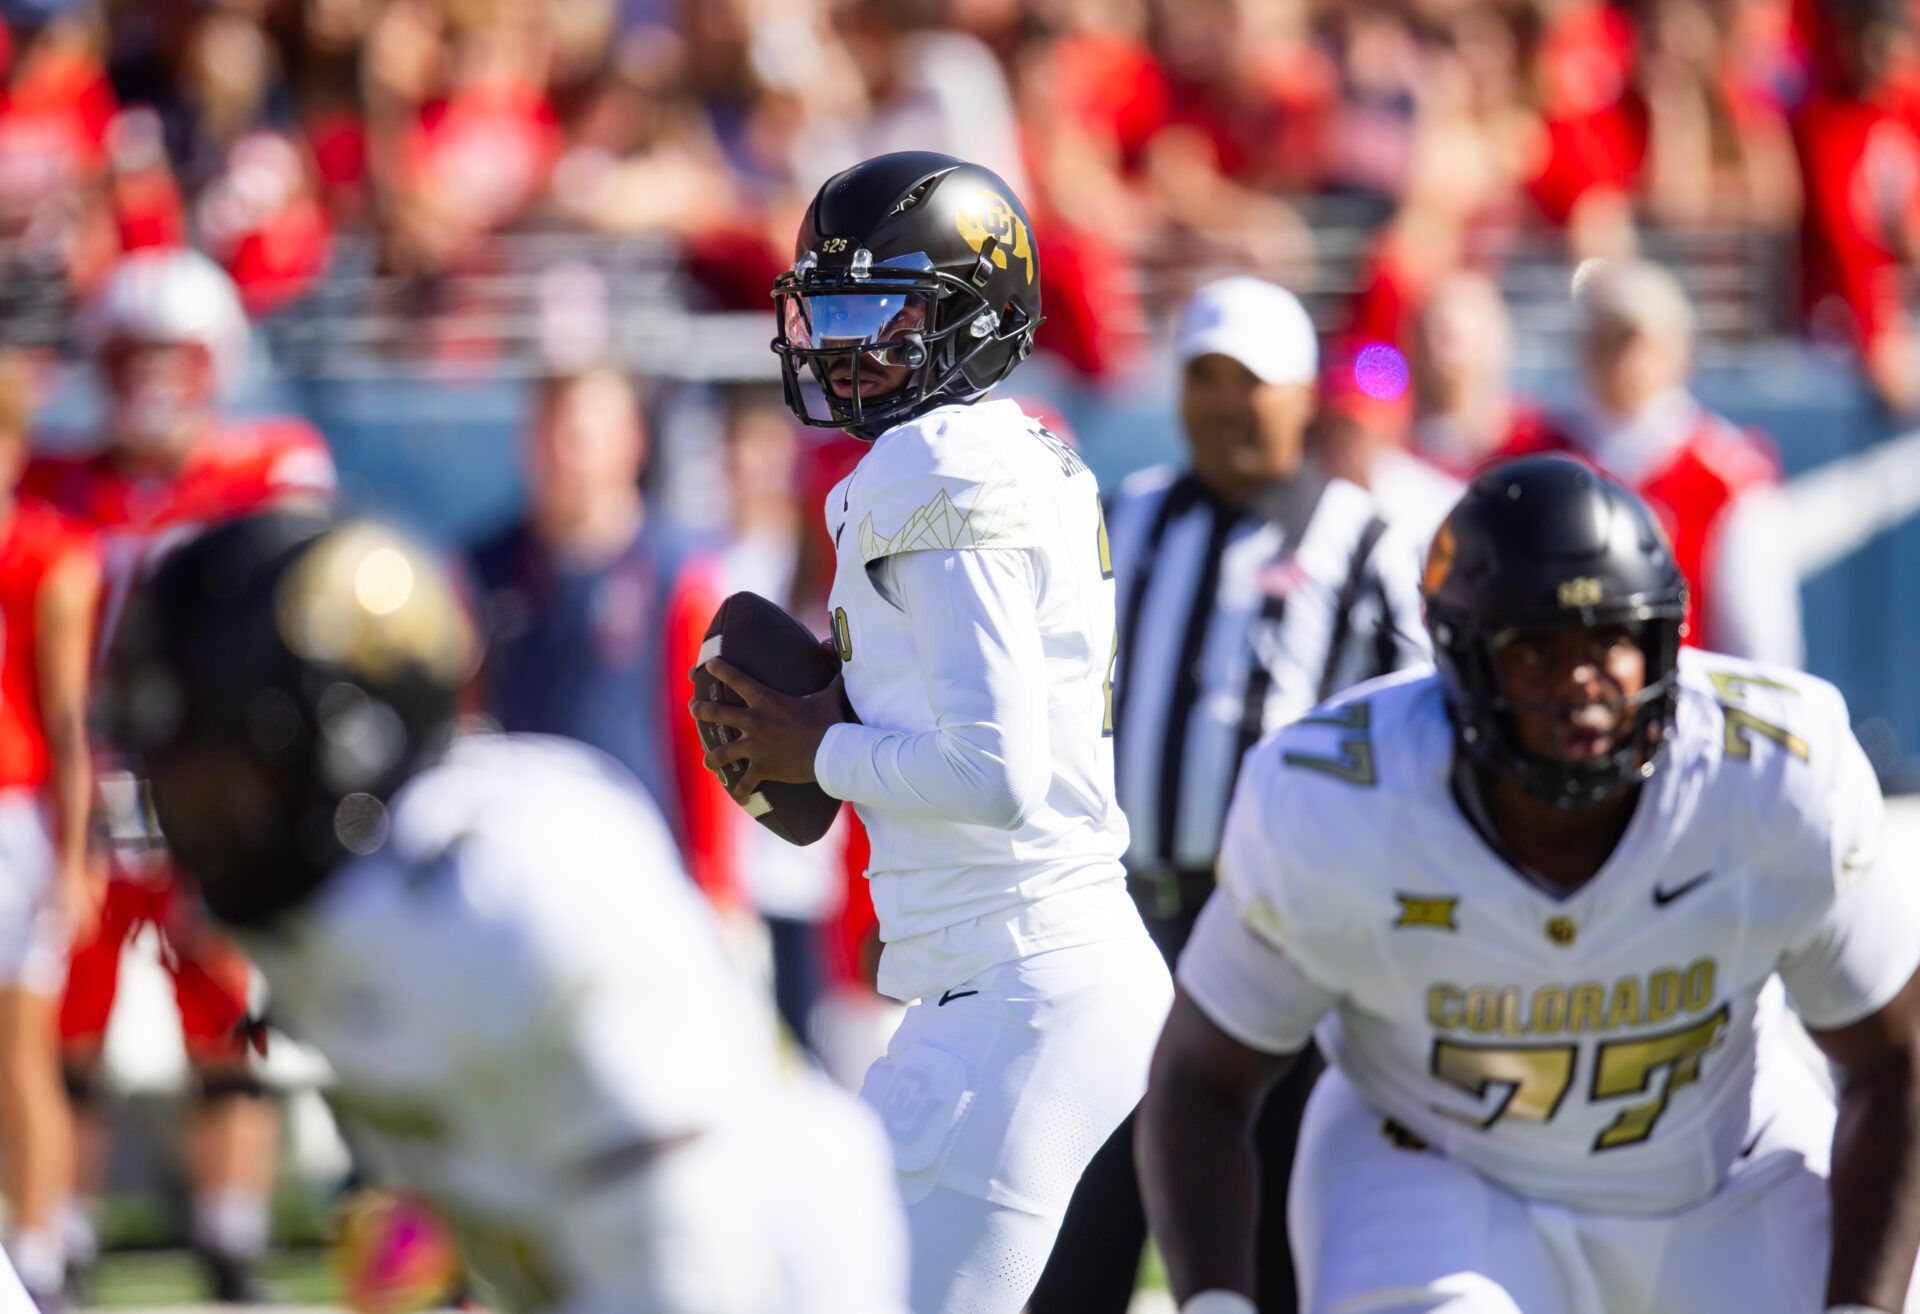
764,641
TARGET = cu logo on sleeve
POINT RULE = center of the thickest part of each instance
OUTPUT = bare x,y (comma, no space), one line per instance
908,1104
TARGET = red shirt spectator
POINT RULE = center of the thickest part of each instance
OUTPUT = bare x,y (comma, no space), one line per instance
1715,487
1858,140
1595,125
35,541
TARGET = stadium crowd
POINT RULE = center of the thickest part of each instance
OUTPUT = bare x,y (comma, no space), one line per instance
1155,139
1157,143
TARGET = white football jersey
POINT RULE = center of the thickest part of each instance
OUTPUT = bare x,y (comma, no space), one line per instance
534,1025
1598,1049
985,476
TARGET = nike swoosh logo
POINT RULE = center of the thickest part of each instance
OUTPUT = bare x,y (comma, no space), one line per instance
1661,898
952,995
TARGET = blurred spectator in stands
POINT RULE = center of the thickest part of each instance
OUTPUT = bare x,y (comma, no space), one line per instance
261,219
168,337
1715,487
49,592
1367,144
1088,100
461,137
1858,137
927,88
1592,139
54,116
1239,108
143,195
210,72
681,132
1460,410
207,144
1457,177
324,40
594,612
1253,81
1718,147
797,890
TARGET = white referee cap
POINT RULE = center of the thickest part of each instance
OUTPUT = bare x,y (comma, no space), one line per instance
1262,326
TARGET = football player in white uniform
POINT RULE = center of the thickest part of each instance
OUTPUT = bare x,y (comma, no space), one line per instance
1535,903
973,610
525,1001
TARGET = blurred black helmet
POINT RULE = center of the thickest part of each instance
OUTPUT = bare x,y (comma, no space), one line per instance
276,680
917,260
1541,543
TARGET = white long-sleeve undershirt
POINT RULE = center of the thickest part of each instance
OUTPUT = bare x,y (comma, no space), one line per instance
976,638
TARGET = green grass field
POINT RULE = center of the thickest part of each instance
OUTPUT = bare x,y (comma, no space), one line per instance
140,1279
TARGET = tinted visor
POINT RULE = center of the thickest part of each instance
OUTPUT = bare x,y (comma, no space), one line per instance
875,321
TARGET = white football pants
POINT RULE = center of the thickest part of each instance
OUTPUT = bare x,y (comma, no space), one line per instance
1380,1229
996,1100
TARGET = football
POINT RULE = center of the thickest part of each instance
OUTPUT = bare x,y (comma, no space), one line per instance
761,639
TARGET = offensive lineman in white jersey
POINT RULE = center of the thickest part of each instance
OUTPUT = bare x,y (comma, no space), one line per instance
526,1004
973,611
1534,903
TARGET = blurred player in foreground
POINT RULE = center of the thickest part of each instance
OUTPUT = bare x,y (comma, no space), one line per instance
973,610
531,1019
13,1296
168,337
49,587
1535,903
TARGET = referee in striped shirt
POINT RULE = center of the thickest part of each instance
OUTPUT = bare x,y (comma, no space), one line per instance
1251,587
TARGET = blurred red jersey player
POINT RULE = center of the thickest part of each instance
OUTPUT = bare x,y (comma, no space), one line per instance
49,585
167,333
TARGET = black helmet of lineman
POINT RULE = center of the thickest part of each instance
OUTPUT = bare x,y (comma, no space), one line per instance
914,259
276,679
1538,543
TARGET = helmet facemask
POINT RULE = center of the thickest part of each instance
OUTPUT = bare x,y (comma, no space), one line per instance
1486,717
901,322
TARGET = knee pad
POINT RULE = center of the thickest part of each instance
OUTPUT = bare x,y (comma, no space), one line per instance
228,1084
82,1081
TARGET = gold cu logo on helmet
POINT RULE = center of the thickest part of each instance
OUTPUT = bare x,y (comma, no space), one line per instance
989,214
1583,591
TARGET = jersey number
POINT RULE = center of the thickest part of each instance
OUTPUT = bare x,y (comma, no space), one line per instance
1538,1076
1742,724
1354,764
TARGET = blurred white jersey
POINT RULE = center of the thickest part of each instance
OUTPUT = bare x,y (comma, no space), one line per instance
954,898
1601,1050
534,1026
13,1296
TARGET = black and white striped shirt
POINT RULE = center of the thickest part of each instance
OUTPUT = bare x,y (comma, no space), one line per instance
1234,621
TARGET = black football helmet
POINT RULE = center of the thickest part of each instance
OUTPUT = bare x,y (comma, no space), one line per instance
914,259
276,679
1538,543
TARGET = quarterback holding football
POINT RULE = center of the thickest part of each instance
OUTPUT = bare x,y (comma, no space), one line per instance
973,614
1537,906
